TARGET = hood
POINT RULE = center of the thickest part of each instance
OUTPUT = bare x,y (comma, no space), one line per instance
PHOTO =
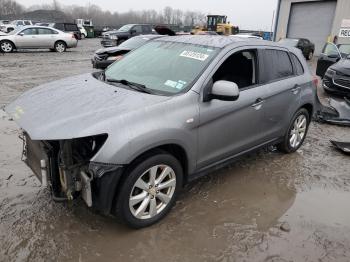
111,50
343,66
76,107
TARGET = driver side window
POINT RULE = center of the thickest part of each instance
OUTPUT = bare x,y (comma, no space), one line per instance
29,31
239,68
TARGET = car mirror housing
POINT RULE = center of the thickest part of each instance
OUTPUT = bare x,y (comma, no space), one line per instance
21,34
224,90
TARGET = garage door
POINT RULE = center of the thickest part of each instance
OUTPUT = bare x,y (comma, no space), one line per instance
312,20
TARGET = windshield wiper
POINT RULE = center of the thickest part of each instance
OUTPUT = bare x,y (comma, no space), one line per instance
130,84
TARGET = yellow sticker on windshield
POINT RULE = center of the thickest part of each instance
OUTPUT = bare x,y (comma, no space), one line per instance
194,55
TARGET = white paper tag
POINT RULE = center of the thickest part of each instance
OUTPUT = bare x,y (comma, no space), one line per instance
194,55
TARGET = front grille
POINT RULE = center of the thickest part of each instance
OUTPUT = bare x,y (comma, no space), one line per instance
342,82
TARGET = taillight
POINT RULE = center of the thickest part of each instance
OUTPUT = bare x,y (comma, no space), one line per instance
315,80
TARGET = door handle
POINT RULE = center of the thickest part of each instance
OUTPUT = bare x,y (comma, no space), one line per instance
295,90
258,103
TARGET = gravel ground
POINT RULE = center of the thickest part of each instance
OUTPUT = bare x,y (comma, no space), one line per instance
266,207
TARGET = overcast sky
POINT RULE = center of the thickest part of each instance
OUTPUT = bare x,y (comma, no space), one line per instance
247,14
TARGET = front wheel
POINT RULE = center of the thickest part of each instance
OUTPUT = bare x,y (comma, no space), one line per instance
6,46
296,133
149,190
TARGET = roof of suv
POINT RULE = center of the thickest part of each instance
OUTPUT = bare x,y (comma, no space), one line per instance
208,40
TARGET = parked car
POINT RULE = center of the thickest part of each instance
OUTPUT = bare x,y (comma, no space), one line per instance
333,66
306,47
68,28
83,32
127,139
116,37
107,56
8,27
37,37
330,55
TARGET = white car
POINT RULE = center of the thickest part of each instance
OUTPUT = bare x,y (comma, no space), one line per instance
7,28
83,32
37,37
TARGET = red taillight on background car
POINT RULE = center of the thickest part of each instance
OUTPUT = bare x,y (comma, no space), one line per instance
315,80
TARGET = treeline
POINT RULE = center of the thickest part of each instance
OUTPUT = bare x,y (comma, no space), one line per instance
106,18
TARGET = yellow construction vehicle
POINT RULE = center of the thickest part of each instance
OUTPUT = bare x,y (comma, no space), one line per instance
218,24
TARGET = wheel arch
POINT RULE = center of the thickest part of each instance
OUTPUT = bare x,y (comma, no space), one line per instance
309,107
13,44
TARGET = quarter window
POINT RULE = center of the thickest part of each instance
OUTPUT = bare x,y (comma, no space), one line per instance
276,65
298,68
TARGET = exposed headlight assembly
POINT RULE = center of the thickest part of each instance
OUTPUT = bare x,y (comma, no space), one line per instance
330,72
113,37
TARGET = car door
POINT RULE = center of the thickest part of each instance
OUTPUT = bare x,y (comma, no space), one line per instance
330,55
27,38
228,128
46,37
277,75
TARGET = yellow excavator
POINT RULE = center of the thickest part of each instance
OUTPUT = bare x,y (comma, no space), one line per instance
218,24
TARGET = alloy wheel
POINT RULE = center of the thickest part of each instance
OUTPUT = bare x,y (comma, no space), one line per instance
152,192
298,132
6,47
60,47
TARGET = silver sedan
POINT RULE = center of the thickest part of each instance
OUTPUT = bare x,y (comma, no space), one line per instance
37,37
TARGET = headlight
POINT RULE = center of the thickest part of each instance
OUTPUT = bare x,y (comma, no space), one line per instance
114,37
330,72
115,58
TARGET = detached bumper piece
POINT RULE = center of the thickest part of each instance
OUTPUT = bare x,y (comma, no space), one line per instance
342,146
337,114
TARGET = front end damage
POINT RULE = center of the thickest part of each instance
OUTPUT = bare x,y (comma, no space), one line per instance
65,167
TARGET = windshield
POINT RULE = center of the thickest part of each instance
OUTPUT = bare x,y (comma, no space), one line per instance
344,49
125,28
289,42
134,43
166,67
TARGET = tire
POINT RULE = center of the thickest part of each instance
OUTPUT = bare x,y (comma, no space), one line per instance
136,211
6,46
310,55
60,46
290,145
83,36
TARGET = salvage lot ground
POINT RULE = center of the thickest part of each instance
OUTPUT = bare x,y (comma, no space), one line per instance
266,207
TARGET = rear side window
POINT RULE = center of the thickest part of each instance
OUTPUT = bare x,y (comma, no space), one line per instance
46,31
146,29
71,27
275,65
59,27
298,68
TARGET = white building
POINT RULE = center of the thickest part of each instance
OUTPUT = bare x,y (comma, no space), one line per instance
317,20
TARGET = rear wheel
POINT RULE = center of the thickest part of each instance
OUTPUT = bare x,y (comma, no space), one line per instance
149,190
60,47
296,133
83,36
6,46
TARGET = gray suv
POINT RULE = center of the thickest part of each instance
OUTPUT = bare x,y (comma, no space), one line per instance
127,140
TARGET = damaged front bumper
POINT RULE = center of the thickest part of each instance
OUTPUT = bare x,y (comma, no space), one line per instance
64,167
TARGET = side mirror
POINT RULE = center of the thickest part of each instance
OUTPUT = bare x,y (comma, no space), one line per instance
224,90
21,34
